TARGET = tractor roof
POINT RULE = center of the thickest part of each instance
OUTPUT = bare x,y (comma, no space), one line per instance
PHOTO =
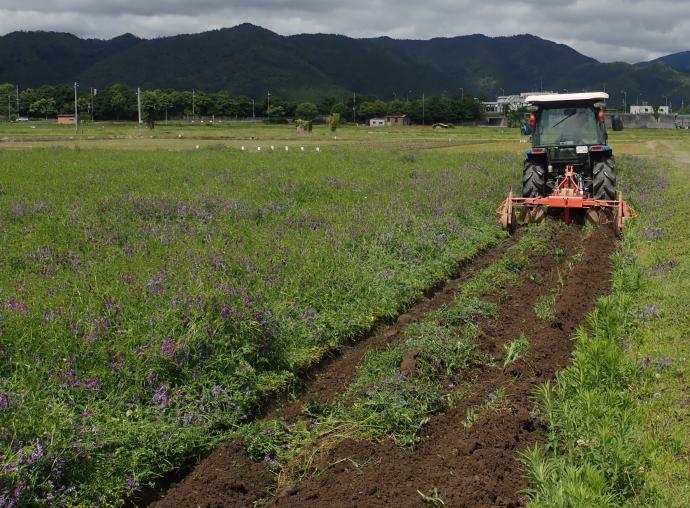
567,97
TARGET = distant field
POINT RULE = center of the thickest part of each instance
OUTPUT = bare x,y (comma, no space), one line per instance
185,136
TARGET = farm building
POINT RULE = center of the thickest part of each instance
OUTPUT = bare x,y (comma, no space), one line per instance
397,120
642,110
65,120
377,122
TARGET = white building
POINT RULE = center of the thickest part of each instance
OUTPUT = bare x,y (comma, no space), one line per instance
377,122
641,110
506,103
664,110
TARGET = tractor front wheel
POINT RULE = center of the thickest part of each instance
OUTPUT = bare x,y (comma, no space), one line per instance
604,178
533,179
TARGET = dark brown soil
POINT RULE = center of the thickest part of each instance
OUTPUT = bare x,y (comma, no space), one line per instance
474,465
227,478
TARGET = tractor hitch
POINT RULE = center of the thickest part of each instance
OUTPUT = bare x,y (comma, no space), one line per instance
569,197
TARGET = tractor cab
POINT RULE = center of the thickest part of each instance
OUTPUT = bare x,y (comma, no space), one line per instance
569,130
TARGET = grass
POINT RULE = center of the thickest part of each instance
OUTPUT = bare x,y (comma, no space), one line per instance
515,349
543,308
399,388
153,294
434,499
150,302
618,414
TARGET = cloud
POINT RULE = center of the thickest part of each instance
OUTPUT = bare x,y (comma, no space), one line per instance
628,30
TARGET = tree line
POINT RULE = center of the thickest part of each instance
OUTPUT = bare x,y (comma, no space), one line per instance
119,102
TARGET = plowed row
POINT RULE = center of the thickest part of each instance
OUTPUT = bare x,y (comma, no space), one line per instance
473,464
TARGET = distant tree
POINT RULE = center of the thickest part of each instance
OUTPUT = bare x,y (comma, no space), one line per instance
307,111
6,89
372,109
243,105
122,101
341,109
44,107
276,112
326,105
398,107
334,121
27,97
152,103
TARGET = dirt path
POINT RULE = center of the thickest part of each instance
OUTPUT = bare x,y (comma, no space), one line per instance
469,463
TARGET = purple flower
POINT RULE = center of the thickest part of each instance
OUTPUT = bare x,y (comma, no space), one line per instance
652,233
111,305
156,283
663,363
191,417
649,312
269,458
4,401
132,484
161,396
15,305
36,454
217,390
92,383
168,347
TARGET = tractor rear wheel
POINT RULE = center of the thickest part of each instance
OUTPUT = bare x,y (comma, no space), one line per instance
533,179
604,178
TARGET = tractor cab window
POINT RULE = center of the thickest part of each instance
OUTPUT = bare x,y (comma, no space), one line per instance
567,126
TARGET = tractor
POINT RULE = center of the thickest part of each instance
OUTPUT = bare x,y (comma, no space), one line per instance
570,169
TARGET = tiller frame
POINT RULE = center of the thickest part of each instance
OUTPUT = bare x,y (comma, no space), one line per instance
568,195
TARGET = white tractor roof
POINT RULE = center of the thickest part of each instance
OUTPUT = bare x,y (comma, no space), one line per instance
567,97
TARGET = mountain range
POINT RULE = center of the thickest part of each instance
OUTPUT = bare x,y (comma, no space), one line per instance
250,60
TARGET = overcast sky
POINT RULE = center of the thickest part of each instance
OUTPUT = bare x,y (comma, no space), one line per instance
628,30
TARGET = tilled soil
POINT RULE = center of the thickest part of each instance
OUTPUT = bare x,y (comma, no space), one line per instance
469,465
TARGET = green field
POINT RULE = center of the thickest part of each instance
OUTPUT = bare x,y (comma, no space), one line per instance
153,294
150,300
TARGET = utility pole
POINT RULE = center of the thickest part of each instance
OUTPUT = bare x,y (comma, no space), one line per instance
93,115
625,101
9,108
17,100
354,107
462,93
193,100
76,108
423,111
139,105
268,106
253,114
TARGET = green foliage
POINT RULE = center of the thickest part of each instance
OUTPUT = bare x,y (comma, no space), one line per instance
599,452
307,111
515,349
434,499
147,309
249,60
334,121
